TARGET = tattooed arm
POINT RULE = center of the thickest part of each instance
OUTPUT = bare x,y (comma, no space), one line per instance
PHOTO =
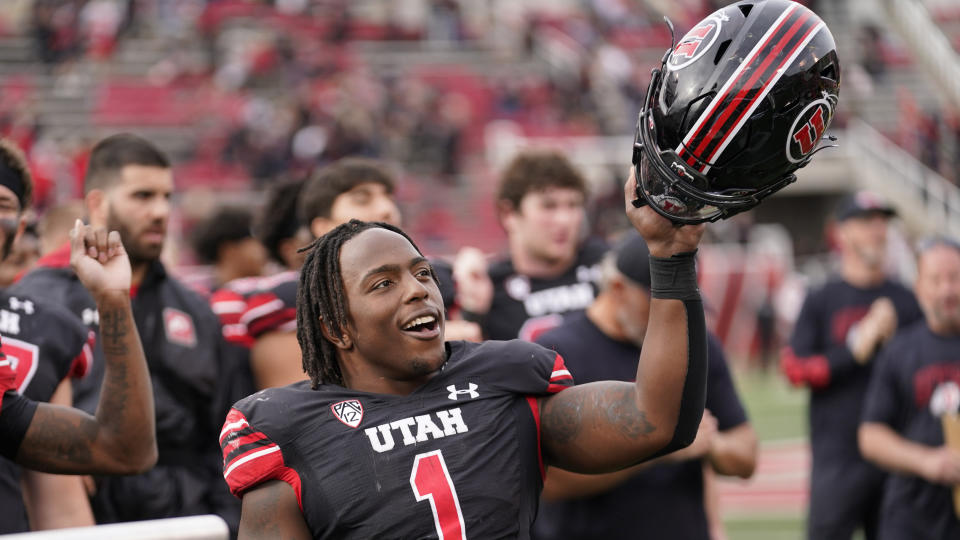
270,510
121,438
606,426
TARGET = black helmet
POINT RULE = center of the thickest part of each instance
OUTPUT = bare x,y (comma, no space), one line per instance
734,109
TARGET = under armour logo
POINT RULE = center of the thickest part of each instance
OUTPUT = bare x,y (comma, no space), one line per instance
25,305
472,391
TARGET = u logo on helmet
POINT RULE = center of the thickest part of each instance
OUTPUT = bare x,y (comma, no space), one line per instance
808,128
695,43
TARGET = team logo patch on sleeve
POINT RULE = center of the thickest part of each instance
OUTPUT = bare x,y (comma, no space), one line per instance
179,327
350,412
808,128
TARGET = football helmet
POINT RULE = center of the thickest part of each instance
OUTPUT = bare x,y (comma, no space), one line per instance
735,108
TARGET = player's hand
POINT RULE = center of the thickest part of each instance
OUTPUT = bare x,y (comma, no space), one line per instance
99,260
474,288
942,466
663,237
703,443
876,327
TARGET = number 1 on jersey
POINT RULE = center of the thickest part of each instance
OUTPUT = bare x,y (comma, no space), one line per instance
431,481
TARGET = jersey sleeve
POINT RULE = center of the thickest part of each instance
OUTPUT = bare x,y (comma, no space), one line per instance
722,399
229,306
809,360
16,413
272,310
72,343
528,368
250,457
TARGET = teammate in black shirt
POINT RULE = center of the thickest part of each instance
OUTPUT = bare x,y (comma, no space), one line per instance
399,434
915,384
550,270
659,499
839,329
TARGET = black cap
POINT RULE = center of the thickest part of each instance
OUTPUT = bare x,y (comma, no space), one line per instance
863,203
633,259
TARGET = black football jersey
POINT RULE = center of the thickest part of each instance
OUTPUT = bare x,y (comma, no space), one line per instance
459,457
525,307
44,344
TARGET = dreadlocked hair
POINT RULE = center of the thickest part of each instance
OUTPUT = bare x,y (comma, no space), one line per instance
322,300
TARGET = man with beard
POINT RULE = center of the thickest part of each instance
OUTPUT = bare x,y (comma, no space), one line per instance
128,185
916,383
402,434
839,330
550,271
42,346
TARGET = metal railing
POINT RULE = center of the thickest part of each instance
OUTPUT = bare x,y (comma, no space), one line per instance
928,44
928,201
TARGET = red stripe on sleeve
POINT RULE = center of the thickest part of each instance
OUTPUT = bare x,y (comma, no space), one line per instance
257,465
82,362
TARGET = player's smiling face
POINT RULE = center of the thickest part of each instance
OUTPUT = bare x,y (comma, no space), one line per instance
395,312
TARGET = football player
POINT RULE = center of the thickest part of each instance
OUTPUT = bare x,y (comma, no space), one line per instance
400,434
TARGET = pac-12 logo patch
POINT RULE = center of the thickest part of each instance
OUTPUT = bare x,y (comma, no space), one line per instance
350,412
697,41
808,128
179,327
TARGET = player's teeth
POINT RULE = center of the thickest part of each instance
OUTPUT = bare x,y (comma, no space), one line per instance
419,320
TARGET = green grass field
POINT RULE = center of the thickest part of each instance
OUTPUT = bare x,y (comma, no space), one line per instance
778,412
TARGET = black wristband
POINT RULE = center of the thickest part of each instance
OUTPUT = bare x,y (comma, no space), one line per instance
674,278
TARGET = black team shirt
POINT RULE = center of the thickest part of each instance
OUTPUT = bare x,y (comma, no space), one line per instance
663,501
460,454
45,344
525,307
917,378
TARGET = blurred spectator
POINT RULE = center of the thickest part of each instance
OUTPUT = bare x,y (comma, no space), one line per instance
913,401
225,240
840,328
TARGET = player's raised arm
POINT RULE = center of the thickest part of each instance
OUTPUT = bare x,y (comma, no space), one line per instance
606,426
121,438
